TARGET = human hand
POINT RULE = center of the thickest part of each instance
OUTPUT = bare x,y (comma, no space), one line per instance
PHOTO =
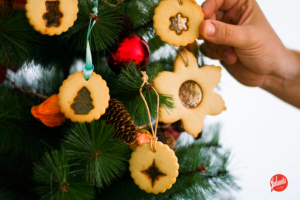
237,33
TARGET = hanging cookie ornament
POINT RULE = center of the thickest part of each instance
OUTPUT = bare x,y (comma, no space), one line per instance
177,22
193,91
153,165
51,17
84,96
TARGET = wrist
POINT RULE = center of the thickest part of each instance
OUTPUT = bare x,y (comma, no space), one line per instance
289,67
285,89
271,81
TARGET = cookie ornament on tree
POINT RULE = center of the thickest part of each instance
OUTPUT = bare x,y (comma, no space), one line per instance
193,91
83,100
177,21
153,165
51,17
84,96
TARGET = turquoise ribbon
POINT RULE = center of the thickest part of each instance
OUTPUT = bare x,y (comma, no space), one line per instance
89,67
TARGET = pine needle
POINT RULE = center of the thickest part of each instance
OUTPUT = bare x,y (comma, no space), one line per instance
126,88
56,180
103,34
103,157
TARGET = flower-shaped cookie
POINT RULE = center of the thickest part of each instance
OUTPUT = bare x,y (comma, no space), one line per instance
178,24
51,17
193,91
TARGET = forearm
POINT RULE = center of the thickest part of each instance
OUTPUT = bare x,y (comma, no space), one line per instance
285,89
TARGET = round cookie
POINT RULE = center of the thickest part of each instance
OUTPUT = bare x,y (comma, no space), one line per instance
154,172
178,24
83,100
193,92
51,17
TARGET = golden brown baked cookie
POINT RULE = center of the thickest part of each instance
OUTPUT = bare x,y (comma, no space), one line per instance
154,172
51,17
177,24
193,91
83,100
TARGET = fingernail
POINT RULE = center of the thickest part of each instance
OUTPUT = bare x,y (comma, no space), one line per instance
210,30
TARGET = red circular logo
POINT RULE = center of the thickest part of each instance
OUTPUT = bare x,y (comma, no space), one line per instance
278,183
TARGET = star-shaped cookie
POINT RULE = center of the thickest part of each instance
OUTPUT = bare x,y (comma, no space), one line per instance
193,91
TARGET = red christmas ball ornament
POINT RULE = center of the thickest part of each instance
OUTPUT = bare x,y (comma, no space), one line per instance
129,48
2,74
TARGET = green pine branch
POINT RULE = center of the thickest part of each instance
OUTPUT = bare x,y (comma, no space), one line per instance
103,34
56,180
141,12
126,88
103,157
21,134
18,41
155,43
191,182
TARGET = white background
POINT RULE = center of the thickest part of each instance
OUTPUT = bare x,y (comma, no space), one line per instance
262,131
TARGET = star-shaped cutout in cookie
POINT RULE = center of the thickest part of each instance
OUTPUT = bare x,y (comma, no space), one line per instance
153,173
178,24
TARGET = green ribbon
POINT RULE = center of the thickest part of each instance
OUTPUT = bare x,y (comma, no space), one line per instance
89,67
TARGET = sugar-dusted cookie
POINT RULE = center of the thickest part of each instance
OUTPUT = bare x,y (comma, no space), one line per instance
178,24
51,17
83,100
156,171
193,91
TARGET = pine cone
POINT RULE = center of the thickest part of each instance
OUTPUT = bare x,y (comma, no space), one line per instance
160,135
125,22
170,140
177,126
117,115
166,137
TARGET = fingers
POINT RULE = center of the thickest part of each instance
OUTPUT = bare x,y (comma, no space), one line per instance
209,7
225,34
234,14
213,17
207,51
219,15
223,53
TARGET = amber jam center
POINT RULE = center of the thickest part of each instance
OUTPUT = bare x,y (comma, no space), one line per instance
53,14
83,103
178,23
153,173
190,94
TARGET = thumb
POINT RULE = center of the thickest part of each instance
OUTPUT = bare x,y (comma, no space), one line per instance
224,34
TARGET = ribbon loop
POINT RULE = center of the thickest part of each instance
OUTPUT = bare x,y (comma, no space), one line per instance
89,67
87,71
153,146
154,139
186,61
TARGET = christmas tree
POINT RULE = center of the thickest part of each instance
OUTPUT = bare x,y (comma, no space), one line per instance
66,135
